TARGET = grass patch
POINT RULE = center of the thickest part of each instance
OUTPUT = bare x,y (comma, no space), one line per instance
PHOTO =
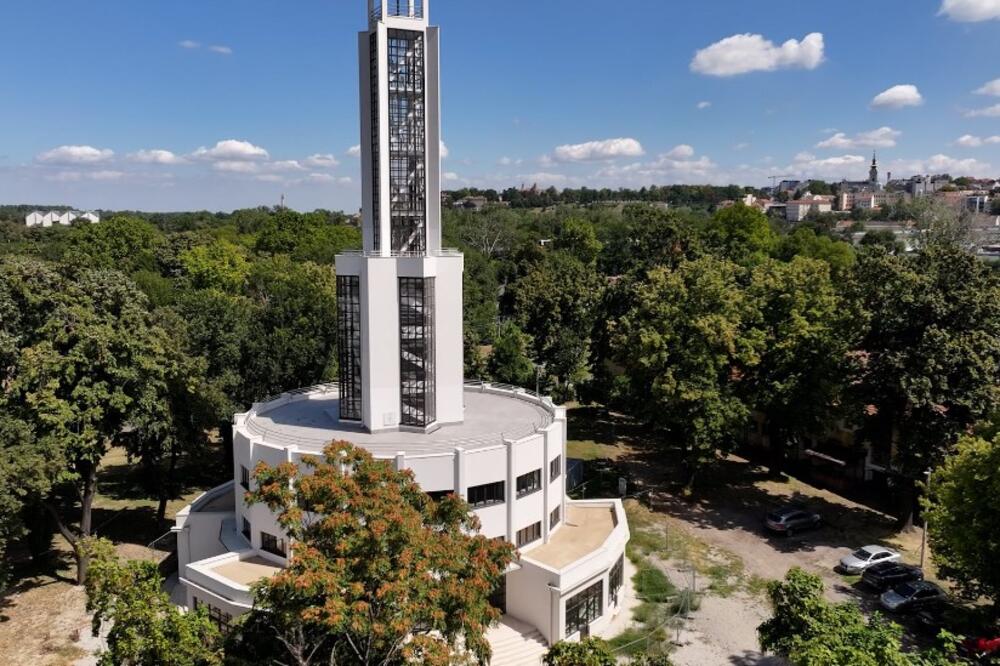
651,584
591,450
635,641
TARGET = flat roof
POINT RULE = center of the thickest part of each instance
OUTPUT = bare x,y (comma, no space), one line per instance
584,530
246,572
312,421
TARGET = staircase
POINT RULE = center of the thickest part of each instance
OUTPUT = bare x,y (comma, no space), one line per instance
516,644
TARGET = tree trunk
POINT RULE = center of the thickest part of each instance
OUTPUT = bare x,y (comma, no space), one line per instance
89,474
906,496
776,447
166,479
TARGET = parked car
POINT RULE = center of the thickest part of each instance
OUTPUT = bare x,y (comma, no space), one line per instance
886,575
791,519
910,597
863,558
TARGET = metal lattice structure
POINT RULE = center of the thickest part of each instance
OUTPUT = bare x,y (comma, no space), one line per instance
349,346
416,350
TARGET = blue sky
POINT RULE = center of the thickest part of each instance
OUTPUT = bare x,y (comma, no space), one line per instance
189,104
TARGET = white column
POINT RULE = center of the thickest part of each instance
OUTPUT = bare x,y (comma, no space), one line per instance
511,490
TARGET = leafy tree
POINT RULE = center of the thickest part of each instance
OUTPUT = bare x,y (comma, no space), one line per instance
90,361
509,362
805,242
24,475
577,238
309,237
556,304
931,355
883,238
386,576
963,517
685,344
590,652
220,265
808,330
125,244
741,234
480,302
648,238
146,628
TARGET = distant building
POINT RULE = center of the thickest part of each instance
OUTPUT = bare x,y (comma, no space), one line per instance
797,210
59,218
472,203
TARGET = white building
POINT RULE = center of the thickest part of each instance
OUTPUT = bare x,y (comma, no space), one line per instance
401,393
60,218
796,211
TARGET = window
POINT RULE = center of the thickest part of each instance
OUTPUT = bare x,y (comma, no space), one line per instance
219,618
272,544
615,580
416,349
407,128
349,345
244,477
554,517
438,495
376,187
555,468
584,608
529,534
486,494
246,529
529,483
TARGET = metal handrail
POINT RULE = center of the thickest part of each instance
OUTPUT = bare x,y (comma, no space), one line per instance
443,252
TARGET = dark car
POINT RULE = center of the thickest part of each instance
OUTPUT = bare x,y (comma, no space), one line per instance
885,575
908,597
790,519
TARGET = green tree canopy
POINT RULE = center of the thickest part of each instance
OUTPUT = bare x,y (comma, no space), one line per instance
741,234
509,362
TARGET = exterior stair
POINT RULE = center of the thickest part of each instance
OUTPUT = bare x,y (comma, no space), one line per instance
515,643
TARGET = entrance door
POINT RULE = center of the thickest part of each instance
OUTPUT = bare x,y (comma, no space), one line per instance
499,597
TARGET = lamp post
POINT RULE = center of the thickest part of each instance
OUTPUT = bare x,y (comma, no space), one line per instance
923,534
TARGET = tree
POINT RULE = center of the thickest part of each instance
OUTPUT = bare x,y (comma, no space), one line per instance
808,330
686,344
146,628
509,362
89,362
741,234
810,631
590,652
883,238
125,244
219,265
556,304
962,513
577,238
931,356
379,573
805,242
309,237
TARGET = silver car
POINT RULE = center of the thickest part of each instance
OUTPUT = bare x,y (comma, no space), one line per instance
863,558
914,596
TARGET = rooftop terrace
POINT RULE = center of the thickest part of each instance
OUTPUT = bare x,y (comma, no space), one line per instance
310,420
585,529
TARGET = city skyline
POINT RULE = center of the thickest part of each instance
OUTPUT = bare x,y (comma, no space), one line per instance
217,108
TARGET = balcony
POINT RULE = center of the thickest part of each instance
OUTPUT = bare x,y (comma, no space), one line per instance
380,9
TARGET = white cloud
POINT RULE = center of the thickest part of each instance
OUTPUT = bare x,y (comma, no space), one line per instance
450,176
345,180
189,44
991,88
270,178
354,151
222,50
106,175
883,137
508,161
970,141
741,146
236,166
741,54
77,176
156,157
321,178
681,152
543,178
322,161
703,105
444,151
943,164
285,165
232,150
599,150
898,97
988,112
970,11
75,155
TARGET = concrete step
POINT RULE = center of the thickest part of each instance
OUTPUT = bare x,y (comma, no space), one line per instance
515,643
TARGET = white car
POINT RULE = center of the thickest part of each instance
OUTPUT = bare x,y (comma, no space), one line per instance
863,558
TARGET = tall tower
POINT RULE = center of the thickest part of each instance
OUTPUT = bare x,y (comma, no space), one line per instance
400,299
873,172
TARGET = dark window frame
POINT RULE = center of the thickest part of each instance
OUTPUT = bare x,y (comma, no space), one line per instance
247,530
244,477
555,468
555,516
486,494
584,607
529,534
273,544
349,346
530,483
616,580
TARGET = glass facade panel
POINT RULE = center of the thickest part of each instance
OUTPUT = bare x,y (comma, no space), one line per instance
486,494
407,142
376,187
584,608
349,346
529,534
416,349
529,483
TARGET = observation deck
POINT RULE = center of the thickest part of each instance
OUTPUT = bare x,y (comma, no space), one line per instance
308,419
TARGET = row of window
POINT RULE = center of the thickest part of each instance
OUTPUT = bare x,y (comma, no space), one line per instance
529,534
221,619
588,605
269,543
